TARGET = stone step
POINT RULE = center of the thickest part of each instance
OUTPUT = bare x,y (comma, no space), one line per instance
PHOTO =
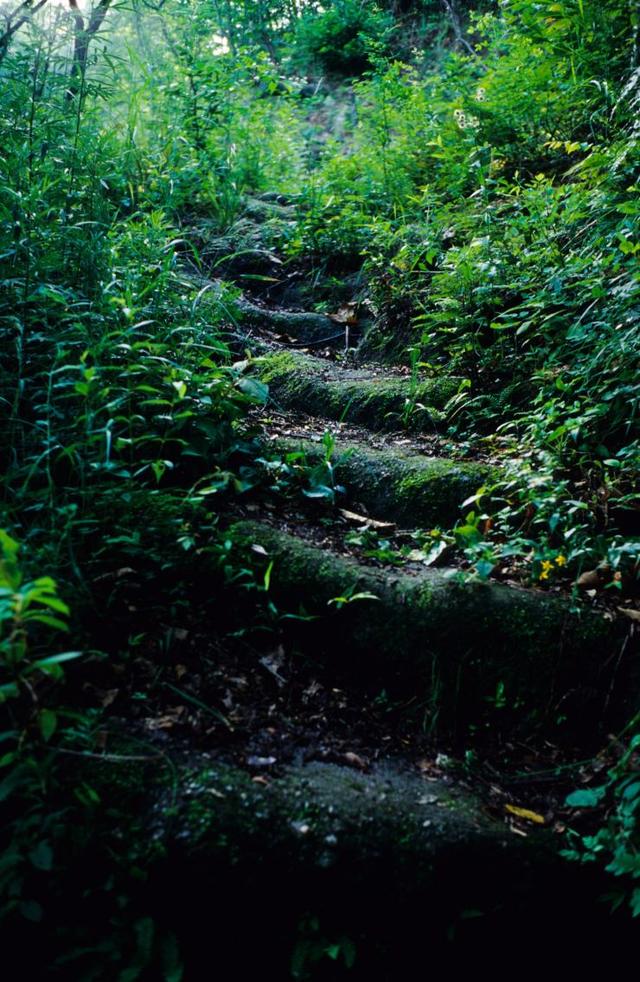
386,864
410,489
301,326
476,655
378,401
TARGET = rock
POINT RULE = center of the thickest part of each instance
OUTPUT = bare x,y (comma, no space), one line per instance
453,645
264,207
383,401
412,490
393,863
300,326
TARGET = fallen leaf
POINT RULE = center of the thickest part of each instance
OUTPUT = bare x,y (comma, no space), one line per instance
108,697
429,768
355,761
589,580
160,723
629,612
525,813
353,516
273,663
260,761
312,690
345,315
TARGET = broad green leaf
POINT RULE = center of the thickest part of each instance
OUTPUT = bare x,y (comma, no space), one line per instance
586,798
254,389
48,721
41,856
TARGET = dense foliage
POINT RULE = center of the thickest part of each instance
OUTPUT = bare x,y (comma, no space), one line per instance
477,168
495,205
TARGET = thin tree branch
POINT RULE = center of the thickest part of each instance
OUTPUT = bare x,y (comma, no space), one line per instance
454,17
23,13
84,36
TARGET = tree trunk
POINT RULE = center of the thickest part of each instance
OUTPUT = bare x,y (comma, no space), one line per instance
15,21
83,37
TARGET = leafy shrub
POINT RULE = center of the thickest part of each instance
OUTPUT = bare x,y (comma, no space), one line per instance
615,844
493,204
340,39
30,612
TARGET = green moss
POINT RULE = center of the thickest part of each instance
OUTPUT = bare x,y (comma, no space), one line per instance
472,653
411,490
320,388
279,366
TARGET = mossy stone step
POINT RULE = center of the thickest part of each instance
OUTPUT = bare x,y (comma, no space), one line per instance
321,388
474,654
302,326
410,489
326,814
384,862
262,208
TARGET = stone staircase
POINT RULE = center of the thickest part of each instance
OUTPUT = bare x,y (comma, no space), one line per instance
381,860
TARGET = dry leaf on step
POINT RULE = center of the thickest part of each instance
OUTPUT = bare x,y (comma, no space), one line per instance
525,813
345,315
354,760
589,580
630,612
353,516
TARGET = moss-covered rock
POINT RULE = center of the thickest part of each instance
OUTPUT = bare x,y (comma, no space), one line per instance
321,388
187,865
474,654
302,326
248,248
381,863
263,208
410,489
324,815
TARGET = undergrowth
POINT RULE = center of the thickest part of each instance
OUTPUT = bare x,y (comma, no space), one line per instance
478,171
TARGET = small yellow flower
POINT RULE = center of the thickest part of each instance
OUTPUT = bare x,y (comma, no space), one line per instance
561,560
546,569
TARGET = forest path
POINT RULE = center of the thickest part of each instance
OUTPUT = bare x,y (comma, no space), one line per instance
351,772
483,656
460,644
372,437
